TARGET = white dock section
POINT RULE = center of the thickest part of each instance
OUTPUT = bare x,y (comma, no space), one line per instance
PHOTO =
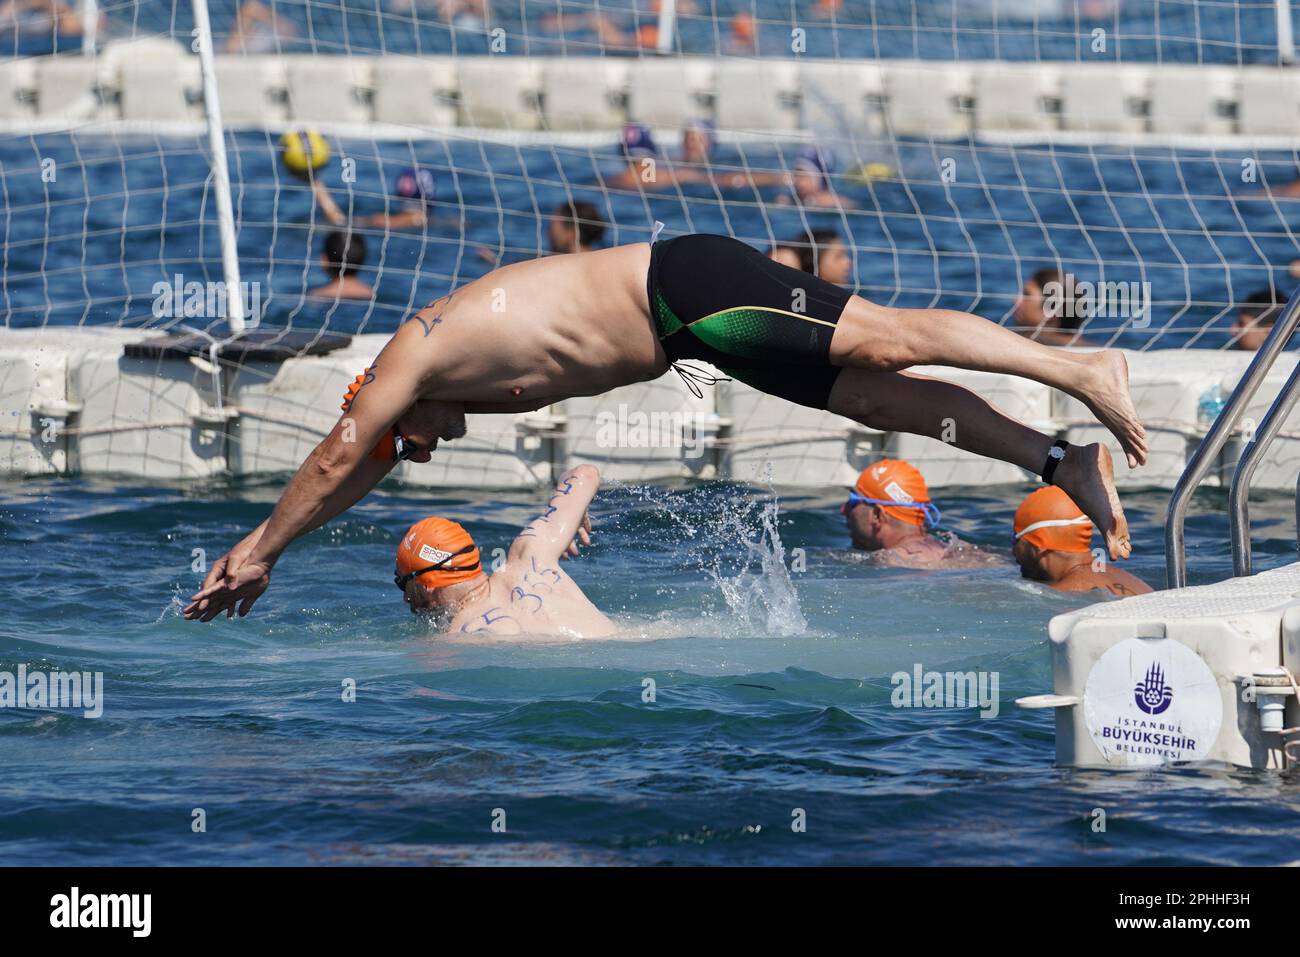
72,403
1189,674
154,84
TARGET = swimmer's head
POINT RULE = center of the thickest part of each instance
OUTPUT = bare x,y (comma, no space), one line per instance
698,139
1033,309
890,502
436,560
638,143
742,27
427,422
1049,526
576,226
419,428
1255,319
812,171
416,183
344,253
825,255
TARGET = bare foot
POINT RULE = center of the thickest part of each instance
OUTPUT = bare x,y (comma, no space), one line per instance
1086,474
1106,393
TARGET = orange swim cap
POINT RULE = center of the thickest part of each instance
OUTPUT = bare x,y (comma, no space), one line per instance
1049,519
436,542
386,450
898,488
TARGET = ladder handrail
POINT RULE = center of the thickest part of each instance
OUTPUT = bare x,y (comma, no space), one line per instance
1239,495
1217,436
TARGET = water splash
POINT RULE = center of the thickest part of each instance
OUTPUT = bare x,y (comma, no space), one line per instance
736,543
763,600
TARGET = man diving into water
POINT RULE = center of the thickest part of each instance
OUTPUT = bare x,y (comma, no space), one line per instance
439,570
532,333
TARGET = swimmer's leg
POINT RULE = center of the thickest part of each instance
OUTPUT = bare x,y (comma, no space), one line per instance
906,402
869,336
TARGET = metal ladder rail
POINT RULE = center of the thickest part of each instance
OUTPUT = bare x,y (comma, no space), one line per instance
1239,495
1217,436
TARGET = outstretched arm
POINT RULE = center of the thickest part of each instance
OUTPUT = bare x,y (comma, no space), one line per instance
564,523
369,474
331,479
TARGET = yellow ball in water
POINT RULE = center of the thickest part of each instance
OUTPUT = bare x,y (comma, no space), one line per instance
301,150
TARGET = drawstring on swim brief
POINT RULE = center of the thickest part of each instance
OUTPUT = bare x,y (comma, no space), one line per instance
694,378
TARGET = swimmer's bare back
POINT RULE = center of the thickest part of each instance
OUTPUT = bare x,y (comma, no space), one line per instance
532,333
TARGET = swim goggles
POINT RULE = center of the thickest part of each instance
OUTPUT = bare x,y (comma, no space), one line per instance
929,509
403,446
400,580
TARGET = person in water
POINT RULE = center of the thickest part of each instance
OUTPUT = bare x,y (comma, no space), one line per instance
889,513
1053,545
439,571
532,333
343,255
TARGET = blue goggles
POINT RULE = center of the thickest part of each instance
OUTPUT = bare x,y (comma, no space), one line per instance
928,509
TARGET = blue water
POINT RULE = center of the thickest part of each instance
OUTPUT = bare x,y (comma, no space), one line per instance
772,694
1194,31
126,212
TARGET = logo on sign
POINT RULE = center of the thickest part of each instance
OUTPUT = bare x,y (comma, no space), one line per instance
1151,693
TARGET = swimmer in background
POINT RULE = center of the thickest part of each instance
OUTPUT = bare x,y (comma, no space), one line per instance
646,168
889,513
258,29
1255,319
608,30
575,227
1053,545
415,189
824,255
31,18
343,255
1034,320
439,570
809,181
787,254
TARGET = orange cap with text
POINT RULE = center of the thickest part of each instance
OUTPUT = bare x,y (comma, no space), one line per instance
438,541
1049,519
386,449
896,481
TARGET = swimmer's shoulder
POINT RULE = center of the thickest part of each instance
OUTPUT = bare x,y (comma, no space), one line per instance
1114,581
1123,583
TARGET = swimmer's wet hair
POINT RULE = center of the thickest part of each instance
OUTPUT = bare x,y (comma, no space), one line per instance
584,217
810,246
345,252
1262,307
